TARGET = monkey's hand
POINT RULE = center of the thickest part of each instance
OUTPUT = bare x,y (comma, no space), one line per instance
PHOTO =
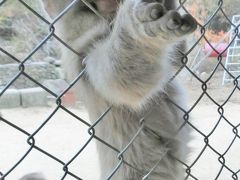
151,19
135,57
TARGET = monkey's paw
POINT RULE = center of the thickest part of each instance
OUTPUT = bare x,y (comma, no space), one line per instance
152,19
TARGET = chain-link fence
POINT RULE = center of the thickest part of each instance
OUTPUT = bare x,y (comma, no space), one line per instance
187,66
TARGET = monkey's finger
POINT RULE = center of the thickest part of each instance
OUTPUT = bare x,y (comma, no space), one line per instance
149,11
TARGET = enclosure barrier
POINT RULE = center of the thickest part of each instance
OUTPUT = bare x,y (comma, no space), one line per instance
91,127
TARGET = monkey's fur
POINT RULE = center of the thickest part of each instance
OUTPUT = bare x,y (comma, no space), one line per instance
128,65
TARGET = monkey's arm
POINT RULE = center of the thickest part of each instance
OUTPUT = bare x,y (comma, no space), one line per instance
132,65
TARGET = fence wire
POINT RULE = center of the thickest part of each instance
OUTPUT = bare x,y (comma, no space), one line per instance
91,127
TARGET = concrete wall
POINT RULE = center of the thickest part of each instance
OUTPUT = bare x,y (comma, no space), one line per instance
30,97
23,97
40,71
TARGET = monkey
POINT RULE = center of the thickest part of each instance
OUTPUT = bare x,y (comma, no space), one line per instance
127,53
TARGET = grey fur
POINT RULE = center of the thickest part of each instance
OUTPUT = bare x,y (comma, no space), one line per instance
129,67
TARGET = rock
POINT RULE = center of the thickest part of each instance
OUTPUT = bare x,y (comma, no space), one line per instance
56,85
33,97
4,59
7,32
10,99
40,71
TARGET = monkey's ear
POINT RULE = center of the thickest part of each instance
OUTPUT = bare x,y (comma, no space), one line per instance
53,7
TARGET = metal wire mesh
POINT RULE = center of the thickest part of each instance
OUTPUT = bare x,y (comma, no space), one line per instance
224,166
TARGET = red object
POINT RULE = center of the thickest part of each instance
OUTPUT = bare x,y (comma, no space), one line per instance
69,98
218,47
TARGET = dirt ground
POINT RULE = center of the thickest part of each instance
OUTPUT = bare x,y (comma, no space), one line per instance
63,136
